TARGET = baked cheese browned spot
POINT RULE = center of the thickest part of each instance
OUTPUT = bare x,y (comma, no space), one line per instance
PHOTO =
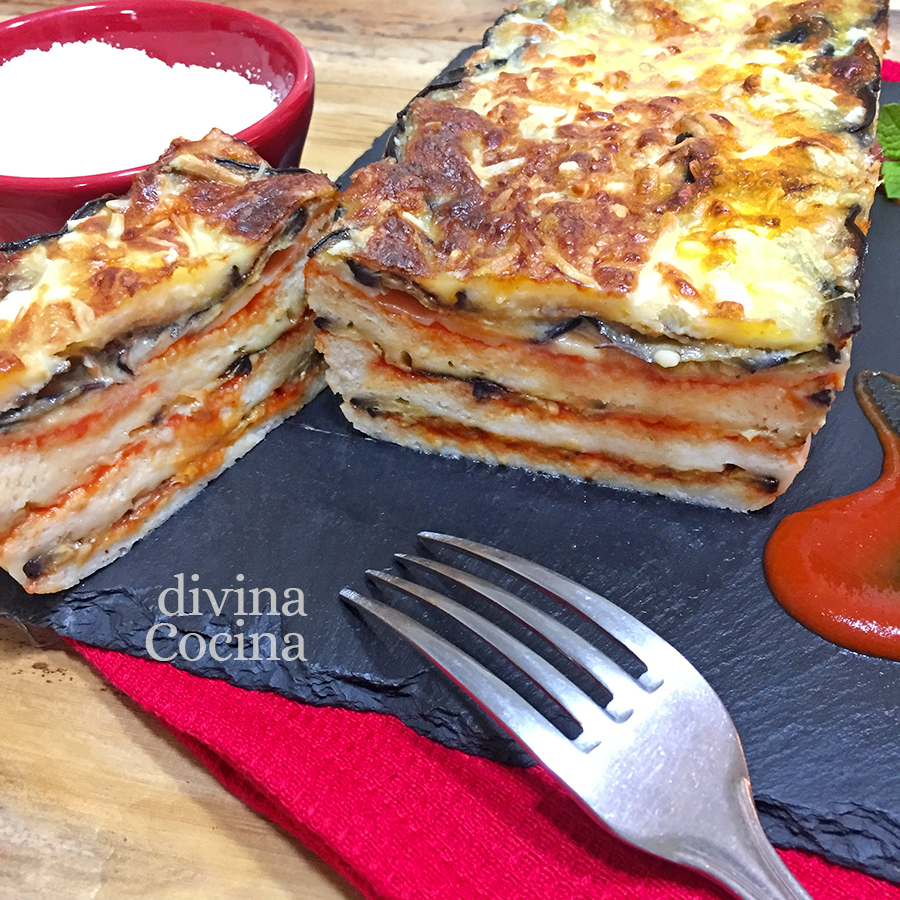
686,184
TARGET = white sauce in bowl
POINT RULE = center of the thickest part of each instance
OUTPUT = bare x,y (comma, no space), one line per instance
88,107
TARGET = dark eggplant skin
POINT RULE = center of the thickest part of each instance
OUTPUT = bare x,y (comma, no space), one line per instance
364,275
35,566
236,277
799,34
367,405
812,30
842,318
858,72
822,398
372,278
768,483
482,389
815,32
243,365
858,238
489,34
91,371
560,328
296,222
11,247
325,242
83,211
448,79
392,150
89,209
868,96
771,361
34,406
631,342
250,168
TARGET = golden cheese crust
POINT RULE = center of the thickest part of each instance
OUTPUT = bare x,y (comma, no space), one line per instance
699,173
194,226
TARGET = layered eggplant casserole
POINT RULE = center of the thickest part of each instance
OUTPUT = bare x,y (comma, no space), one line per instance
147,346
623,243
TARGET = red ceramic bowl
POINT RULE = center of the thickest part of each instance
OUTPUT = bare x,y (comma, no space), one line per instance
185,31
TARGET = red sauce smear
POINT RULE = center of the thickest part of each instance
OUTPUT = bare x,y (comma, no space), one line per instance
835,567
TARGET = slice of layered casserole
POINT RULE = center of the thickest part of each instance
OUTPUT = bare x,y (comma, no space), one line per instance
146,347
624,244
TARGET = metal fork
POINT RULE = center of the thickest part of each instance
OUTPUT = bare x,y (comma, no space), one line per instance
661,765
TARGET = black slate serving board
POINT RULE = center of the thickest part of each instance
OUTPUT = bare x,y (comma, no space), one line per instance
316,504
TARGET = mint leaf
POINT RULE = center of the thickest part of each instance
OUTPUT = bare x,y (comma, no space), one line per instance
890,172
889,129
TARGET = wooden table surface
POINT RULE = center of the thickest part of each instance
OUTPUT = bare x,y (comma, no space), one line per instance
96,799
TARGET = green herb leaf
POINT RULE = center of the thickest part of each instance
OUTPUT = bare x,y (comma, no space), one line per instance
890,172
889,129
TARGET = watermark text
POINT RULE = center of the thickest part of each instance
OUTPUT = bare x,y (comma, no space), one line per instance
224,646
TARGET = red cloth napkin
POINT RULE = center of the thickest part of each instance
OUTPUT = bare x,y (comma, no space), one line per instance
890,70
404,818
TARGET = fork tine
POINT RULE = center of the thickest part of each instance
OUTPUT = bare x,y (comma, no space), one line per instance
648,646
626,693
594,721
518,717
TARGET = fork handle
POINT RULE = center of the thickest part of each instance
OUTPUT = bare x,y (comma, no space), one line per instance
744,860
758,876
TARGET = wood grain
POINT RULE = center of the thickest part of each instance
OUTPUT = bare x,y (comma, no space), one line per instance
96,799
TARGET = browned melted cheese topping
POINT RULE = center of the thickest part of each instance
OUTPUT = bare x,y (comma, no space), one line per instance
700,171
191,229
